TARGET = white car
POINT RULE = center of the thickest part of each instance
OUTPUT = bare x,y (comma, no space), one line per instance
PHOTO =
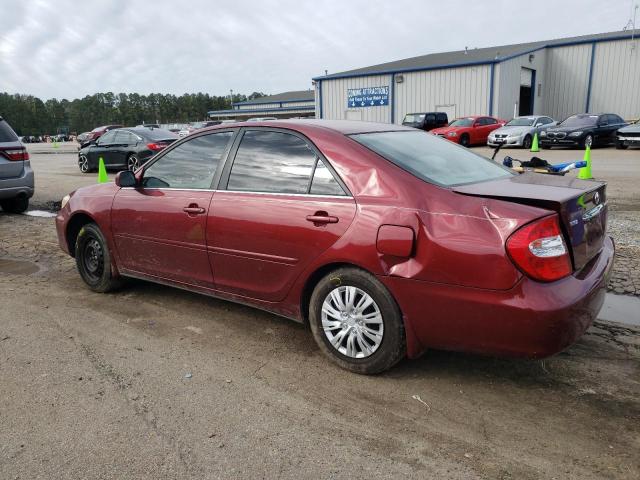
519,131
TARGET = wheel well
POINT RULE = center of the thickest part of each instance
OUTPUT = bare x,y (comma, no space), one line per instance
311,283
76,223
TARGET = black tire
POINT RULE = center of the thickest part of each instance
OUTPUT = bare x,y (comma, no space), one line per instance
133,162
464,140
526,143
392,347
83,164
620,145
587,140
93,260
15,205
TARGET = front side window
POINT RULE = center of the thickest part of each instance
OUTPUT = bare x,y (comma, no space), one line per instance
432,159
190,165
269,161
107,138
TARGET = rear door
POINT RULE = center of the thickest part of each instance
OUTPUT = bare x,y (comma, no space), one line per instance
159,227
279,206
11,161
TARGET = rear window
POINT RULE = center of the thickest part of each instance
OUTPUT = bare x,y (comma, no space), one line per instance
6,133
159,134
432,159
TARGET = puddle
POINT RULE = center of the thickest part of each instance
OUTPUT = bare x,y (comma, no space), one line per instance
18,267
40,213
621,309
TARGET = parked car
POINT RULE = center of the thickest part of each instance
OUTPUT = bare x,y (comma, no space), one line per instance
83,138
628,136
148,125
260,119
124,148
96,133
16,176
469,131
198,126
426,121
583,129
519,131
449,251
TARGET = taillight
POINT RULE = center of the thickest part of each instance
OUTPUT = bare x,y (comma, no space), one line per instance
16,155
540,251
155,146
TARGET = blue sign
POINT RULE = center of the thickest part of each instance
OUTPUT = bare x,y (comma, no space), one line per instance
367,97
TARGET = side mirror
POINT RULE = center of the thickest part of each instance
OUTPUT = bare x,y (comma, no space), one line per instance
125,178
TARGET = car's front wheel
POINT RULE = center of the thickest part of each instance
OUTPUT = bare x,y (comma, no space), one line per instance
526,143
356,322
620,145
464,140
83,164
93,260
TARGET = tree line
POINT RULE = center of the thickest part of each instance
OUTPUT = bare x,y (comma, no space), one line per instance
29,115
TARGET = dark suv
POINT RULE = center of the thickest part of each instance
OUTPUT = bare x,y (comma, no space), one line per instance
426,121
582,130
16,176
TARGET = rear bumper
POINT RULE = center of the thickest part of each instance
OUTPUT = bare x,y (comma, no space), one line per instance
16,186
532,319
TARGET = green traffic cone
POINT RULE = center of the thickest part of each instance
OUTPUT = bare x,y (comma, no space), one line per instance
585,172
102,172
55,144
534,144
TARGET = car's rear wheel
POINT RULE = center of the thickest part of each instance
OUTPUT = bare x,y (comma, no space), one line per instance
620,145
83,164
526,143
93,260
356,322
464,140
15,205
133,163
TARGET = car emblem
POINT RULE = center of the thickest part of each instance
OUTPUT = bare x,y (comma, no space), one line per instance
596,198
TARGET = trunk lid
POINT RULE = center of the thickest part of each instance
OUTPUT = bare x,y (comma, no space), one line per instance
580,204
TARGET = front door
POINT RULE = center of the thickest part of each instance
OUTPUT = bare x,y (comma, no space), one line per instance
160,227
283,207
103,148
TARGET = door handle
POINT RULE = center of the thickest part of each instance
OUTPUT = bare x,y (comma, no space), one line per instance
320,218
193,209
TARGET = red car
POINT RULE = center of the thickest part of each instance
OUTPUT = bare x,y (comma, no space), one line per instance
469,131
387,241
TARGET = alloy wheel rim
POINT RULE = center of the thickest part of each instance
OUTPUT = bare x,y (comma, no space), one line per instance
352,322
133,163
83,162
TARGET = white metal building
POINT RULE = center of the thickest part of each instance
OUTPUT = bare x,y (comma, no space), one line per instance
592,73
282,105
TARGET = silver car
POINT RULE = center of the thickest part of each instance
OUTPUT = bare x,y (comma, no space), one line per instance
519,131
16,176
628,136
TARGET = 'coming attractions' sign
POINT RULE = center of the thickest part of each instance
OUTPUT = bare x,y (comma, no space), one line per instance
367,97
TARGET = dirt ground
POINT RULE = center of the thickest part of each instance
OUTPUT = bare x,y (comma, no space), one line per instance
154,382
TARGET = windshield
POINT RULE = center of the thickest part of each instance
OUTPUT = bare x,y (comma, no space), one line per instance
521,122
432,159
580,121
197,125
462,122
413,118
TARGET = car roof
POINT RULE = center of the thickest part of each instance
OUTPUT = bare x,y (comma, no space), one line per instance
346,127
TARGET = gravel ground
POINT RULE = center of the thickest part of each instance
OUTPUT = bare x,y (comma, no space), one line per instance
154,382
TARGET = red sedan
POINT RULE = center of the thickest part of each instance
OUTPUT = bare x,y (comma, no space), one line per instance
469,131
387,241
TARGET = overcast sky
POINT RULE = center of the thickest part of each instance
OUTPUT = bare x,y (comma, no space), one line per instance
68,49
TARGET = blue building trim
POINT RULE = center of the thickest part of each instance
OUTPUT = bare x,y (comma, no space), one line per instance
260,110
320,96
273,101
593,55
491,82
479,62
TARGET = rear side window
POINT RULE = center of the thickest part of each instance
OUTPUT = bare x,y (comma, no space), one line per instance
6,133
323,182
269,161
432,159
190,165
